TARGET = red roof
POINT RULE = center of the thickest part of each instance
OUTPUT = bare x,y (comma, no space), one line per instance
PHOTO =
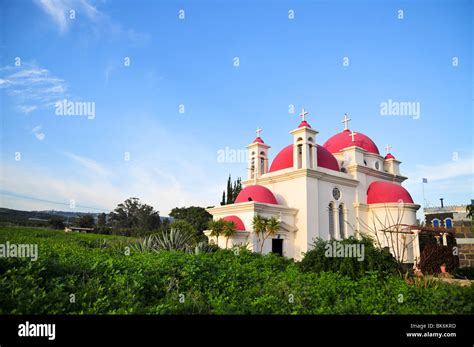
256,193
258,139
304,124
389,156
239,225
386,192
343,140
284,159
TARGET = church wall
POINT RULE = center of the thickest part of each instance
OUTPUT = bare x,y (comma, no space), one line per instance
386,215
293,193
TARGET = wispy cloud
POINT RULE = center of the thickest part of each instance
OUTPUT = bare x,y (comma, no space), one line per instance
92,166
463,166
38,133
100,23
32,87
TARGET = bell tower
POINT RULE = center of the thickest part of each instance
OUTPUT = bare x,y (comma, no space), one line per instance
304,145
257,162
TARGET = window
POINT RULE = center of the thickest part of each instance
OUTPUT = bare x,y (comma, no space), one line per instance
342,225
448,223
311,156
377,165
331,220
300,156
435,223
336,193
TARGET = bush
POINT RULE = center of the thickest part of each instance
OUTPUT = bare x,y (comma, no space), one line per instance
317,260
433,256
107,281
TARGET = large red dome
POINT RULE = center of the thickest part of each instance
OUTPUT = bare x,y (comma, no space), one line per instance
284,159
386,192
256,193
343,140
239,225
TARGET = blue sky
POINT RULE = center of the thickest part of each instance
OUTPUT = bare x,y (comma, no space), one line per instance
191,62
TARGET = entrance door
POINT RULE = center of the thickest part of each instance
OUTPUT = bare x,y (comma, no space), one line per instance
277,246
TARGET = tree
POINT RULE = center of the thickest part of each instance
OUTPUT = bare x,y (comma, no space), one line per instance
229,229
102,220
133,214
86,221
470,211
264,228
232,190
197,216
56,223
217,228
185,228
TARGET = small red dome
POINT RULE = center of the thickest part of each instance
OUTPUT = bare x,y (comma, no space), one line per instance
256,193
386,192
239,225
343,140
284,159
389,156
304,124
258,139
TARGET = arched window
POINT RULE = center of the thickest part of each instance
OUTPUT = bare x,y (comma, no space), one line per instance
448,223
435,223
331,220
252,168
311,156
300,156
342,225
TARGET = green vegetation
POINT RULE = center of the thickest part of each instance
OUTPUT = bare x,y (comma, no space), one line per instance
92,274
375,259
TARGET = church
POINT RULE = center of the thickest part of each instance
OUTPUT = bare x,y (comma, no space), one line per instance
342,188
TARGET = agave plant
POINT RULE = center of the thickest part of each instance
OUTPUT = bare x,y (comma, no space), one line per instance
174,240
203,247
146,244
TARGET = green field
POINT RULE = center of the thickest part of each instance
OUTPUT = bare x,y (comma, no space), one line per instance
96,273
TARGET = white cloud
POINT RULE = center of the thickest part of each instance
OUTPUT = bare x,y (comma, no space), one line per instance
90,165
32,87
98,22
38,134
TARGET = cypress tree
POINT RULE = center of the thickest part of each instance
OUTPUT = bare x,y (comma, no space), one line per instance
223,198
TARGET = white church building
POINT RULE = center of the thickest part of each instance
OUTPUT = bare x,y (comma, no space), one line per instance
342,188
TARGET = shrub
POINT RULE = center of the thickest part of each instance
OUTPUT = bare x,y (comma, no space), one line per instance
433,256
375,259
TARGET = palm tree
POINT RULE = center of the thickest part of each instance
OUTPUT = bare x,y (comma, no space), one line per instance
229,229
272,225
217,228
264,228
258,225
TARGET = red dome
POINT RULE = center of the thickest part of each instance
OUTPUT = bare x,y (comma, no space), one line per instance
258,139
284,159
256,193
239,225
389,156
386,192
343,140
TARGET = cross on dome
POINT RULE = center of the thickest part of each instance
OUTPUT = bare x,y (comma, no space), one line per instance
303,114
353,134
346,121
388,149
